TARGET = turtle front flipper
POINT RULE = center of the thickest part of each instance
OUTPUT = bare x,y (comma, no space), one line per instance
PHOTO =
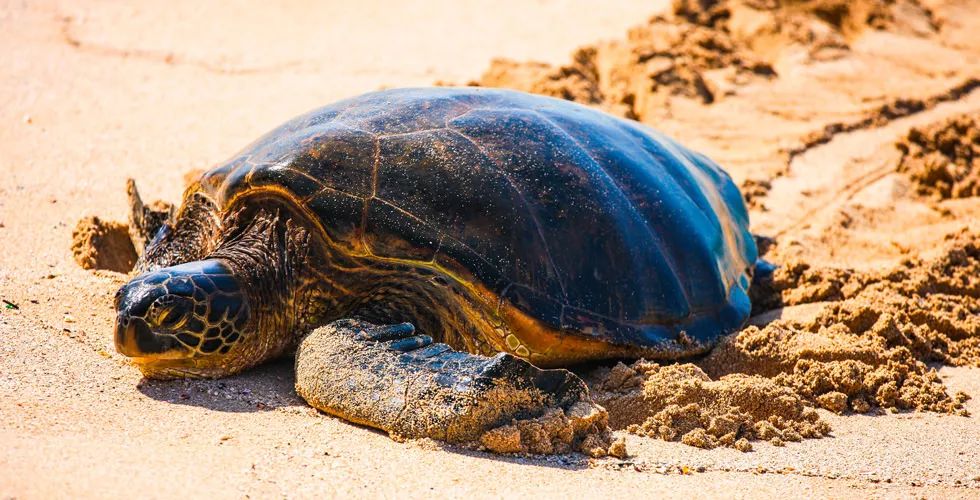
389,378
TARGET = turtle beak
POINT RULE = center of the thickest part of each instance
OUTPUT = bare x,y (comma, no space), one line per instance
135,340
126,338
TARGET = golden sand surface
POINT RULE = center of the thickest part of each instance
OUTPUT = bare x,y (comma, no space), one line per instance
834,118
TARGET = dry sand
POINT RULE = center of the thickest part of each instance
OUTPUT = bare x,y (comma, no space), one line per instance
833,127
943,159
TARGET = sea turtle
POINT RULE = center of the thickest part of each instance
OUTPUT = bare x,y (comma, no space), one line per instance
515,232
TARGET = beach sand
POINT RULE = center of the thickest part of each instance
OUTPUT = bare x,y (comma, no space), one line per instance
835,130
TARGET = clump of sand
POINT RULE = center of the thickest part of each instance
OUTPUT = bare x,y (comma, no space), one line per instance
681,403
584,428
703,50
863,347
942,159
100,244
754,192
930,307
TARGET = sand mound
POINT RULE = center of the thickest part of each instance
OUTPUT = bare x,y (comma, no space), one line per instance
681,403
666,56
99,244
851,357
929,307
941,159
864,350
703,50
934,303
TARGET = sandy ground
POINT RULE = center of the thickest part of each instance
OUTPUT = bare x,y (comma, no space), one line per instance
92,94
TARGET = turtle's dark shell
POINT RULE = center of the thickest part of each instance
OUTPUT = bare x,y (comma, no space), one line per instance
594,225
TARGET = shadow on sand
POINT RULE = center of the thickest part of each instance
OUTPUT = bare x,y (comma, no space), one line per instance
271,386
263,388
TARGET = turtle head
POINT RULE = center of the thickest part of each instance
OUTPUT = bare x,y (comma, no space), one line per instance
185,320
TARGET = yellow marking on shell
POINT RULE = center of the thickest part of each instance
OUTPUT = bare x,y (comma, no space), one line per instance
549,347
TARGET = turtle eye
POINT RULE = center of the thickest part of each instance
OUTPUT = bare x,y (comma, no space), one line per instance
169,313
170,318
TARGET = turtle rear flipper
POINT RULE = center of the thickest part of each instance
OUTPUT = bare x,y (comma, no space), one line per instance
145,220
391,379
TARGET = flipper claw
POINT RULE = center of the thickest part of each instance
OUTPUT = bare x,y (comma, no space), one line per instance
387,332
410,343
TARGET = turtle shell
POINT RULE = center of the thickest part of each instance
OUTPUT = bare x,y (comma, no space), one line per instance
591,224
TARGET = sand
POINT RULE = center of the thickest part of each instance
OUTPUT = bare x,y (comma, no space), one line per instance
682,403
941,160
704,49
98,244
98,93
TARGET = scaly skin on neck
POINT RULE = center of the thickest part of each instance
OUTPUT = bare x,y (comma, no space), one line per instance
260,259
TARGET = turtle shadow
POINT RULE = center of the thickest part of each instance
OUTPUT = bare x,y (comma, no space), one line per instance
263,388
271,386
567,461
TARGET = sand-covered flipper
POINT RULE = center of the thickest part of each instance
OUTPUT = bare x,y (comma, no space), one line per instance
392,379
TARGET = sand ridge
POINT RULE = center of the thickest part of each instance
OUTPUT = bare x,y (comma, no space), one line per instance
942,159
704,50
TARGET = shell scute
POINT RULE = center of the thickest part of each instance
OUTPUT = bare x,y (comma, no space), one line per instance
392,232
443,178
338,157
644,181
